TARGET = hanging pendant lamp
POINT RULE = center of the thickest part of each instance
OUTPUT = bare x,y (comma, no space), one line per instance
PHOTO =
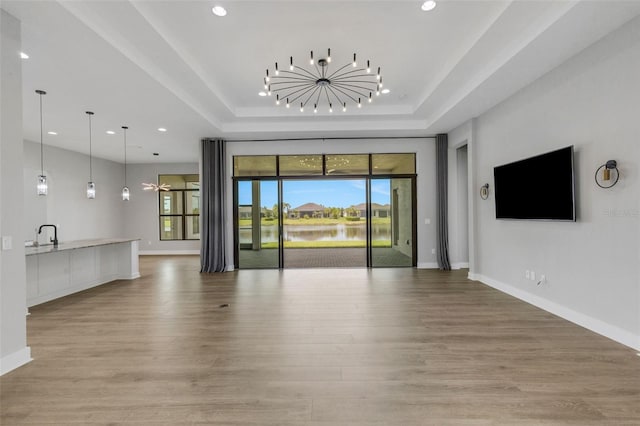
42,186
91,186
125,188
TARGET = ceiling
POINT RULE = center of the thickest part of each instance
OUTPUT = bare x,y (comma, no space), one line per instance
174,64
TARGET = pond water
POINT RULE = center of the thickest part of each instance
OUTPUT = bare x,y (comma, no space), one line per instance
337,232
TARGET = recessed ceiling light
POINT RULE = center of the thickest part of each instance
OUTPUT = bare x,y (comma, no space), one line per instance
428,5
52,133
162,129
111,132
219,10
385,91
24,55
262,93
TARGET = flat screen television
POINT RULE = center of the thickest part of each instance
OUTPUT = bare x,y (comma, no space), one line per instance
536,188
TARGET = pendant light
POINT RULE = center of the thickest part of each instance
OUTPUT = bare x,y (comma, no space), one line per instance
125,188
42,179
91,186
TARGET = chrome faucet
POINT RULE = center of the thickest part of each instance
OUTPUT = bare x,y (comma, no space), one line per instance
55,234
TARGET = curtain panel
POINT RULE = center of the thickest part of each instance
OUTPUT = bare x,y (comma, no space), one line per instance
213,252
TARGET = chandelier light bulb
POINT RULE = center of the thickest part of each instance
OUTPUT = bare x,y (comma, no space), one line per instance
329,55
368,68
370,98
277,72
359,103
381,82
267,77
125,193
344,107
277,99
355,64
291,63
269,91
301,107
378,76
330,108
311,59
315,108
288,105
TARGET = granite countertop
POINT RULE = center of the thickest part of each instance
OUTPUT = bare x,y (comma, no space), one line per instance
73,245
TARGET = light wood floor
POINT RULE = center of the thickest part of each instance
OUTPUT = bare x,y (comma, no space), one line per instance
313,347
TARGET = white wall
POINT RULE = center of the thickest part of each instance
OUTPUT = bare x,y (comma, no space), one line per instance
141,212
592,266
13,299
425,164
67,205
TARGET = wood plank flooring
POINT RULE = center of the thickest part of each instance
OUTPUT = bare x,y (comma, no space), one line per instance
313,347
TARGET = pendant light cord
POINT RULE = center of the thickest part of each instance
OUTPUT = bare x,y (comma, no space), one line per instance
90,156
125,156
41,144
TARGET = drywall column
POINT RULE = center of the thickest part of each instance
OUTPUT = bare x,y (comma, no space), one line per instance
14,351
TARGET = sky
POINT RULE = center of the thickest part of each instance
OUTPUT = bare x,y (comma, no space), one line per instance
329,193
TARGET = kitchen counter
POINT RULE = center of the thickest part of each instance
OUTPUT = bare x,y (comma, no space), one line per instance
73,266
74,245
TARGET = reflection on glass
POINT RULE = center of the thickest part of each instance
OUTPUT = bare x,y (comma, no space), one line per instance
393,164
171,202
254,165
300,165
178,181
351,164
171,227
392,222
257,213
193,227
193,202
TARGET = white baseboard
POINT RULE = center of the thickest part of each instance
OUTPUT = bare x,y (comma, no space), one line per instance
168,252
459,265
427,265
607,330
15,360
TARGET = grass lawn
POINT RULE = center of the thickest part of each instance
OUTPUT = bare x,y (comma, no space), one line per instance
326,244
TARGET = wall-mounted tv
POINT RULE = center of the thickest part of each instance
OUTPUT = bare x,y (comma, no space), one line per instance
537,188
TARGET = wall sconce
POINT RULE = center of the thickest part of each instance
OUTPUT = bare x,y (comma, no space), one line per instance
606,180
484,191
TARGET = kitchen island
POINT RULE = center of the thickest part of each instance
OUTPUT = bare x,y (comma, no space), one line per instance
73,266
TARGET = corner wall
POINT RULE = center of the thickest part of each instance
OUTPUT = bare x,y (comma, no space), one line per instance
14,351
592,266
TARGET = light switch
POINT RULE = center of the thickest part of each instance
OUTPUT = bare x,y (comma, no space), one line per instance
7,243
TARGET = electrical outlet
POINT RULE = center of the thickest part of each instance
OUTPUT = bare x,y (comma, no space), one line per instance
533,275
433,251
527,274
7,243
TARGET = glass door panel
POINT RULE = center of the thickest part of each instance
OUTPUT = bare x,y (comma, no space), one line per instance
257,224
392,228
325,223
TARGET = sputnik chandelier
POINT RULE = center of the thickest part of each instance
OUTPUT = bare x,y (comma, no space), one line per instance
320,84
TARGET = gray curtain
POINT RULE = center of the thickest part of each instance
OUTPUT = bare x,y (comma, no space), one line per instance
213,253
442,147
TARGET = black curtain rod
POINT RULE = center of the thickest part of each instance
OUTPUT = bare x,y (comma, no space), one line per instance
330,139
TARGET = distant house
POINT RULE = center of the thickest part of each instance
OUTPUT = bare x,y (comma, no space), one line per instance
377,210
309,209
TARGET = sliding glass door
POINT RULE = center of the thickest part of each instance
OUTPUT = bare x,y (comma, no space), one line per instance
343,210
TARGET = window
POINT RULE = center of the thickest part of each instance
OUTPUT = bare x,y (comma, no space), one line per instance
180,207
